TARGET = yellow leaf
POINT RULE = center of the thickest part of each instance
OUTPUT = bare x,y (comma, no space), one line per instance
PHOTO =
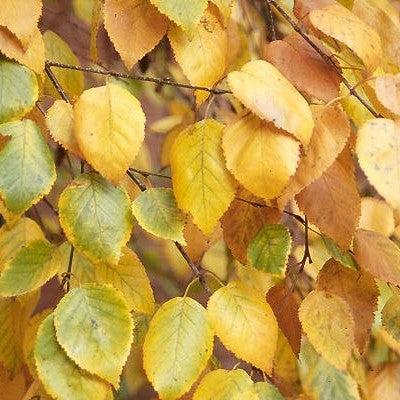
178,344
378,151
341,24
201,53
376,215
387,88
329,325
109,128
135,27
266,92
94,327
259,156
242,316
198,167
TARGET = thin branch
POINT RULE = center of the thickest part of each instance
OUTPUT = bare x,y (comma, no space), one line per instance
56,84
324,56
160,81
67,276
146,174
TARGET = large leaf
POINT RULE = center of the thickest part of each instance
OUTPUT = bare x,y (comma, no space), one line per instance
18,91
61,377
96,217
242,316
94,327
27,169
178,344
198,168
267,93
109,127
157,212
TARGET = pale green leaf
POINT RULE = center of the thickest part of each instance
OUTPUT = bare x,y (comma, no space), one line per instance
27,170
94,327
267,391
178,344
157,212
269,250
96,217
344,257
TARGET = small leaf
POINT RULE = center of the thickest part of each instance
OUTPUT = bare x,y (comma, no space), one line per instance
178,344
241,315
329,325
60,376
96,217
18,92
270,248
267,93
387,91
109,128
391,317
157,212
25,155
94,328
267,391
377,216
344,257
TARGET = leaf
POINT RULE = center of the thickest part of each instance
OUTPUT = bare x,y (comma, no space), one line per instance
201,53
267,93
197,167
321,380
384,384
376,215
312,74
109,128
260,157
378,255
60,376
391,317
28,270
130,278
185,14
387,88
269,250
157,212
267,391
243,220
178,344
96,217
344,257
358,289
221,384
331,132
378,149
56,49
341,24
240,315
332,202
329,325
94,327
135,27
26,154
60,122
18,92
12,387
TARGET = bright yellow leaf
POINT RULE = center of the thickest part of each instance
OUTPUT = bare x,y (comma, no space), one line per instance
376,215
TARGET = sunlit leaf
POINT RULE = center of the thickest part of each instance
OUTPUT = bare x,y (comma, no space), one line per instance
377,216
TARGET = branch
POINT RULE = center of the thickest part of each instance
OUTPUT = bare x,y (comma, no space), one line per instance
161,81
324,56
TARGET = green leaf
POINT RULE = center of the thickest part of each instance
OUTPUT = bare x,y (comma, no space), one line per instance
28,270
94,327
157,212
267,391
96,217
178,344
27,170
60,376
18,90
223,385
391,317
270,248
344,257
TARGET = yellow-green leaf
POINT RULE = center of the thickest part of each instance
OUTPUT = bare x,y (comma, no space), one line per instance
198,168
109,127
391,317
60,376
245,324
18,91
157,212
266,92
27,170
94,327
96,217
267,391
329,325
178,344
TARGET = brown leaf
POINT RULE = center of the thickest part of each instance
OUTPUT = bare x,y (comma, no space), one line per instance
358,289
302,8
384,384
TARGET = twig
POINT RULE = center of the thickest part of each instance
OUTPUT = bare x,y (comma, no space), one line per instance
56,84
160,81
67,275
146,174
